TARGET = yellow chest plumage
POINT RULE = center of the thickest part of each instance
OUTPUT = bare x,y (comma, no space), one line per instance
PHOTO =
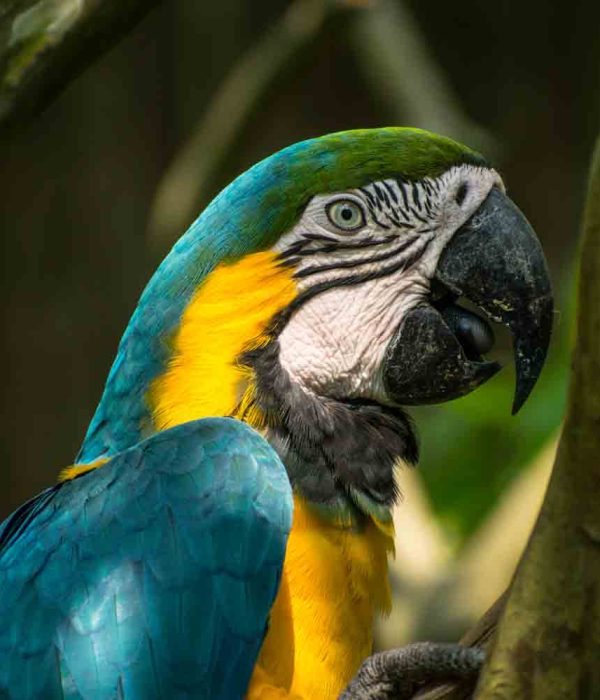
334,579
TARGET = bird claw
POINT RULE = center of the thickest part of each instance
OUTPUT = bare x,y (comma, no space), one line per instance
398,673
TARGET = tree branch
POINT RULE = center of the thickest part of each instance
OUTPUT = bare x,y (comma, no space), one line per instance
44,44
544,633
548,639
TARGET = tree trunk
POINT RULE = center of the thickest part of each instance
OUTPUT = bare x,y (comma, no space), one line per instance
548,640
543,634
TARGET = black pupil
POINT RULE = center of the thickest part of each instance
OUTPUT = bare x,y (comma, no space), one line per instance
347,213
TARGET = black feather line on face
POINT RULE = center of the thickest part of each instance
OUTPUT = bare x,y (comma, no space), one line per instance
391,191
297,249
332,449
358,262
350,280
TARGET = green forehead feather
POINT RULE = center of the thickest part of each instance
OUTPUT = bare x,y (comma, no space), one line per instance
353,158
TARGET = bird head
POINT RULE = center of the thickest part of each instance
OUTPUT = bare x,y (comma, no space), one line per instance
319,293
379,269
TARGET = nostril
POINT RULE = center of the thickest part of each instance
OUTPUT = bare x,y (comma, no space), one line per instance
461,193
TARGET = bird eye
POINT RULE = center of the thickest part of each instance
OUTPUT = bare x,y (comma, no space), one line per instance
346,214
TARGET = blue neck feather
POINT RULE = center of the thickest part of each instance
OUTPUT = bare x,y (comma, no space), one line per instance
220,233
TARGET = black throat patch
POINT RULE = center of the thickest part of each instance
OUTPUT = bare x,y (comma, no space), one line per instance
339,455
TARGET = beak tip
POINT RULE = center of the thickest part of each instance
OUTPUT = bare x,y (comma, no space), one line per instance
531,349
522,393
526,382
517,405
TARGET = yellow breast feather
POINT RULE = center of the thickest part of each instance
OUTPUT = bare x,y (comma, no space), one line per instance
334,579
334,582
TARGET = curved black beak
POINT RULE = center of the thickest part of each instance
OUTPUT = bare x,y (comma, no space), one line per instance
495,260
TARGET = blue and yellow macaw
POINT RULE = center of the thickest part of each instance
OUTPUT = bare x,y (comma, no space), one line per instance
224,531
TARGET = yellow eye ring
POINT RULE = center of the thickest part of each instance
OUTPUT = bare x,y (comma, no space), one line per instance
346,214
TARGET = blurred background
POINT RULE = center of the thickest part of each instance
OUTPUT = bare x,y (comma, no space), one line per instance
96,189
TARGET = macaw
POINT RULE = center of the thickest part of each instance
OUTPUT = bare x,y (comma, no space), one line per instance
225,528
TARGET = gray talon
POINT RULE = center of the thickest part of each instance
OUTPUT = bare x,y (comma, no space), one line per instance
397,674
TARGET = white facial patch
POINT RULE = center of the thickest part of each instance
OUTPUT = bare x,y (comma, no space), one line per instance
364,258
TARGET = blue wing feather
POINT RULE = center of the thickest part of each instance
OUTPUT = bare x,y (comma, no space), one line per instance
150,577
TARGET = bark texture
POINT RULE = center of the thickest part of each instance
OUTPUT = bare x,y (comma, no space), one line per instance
543,635
44,44
548,640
